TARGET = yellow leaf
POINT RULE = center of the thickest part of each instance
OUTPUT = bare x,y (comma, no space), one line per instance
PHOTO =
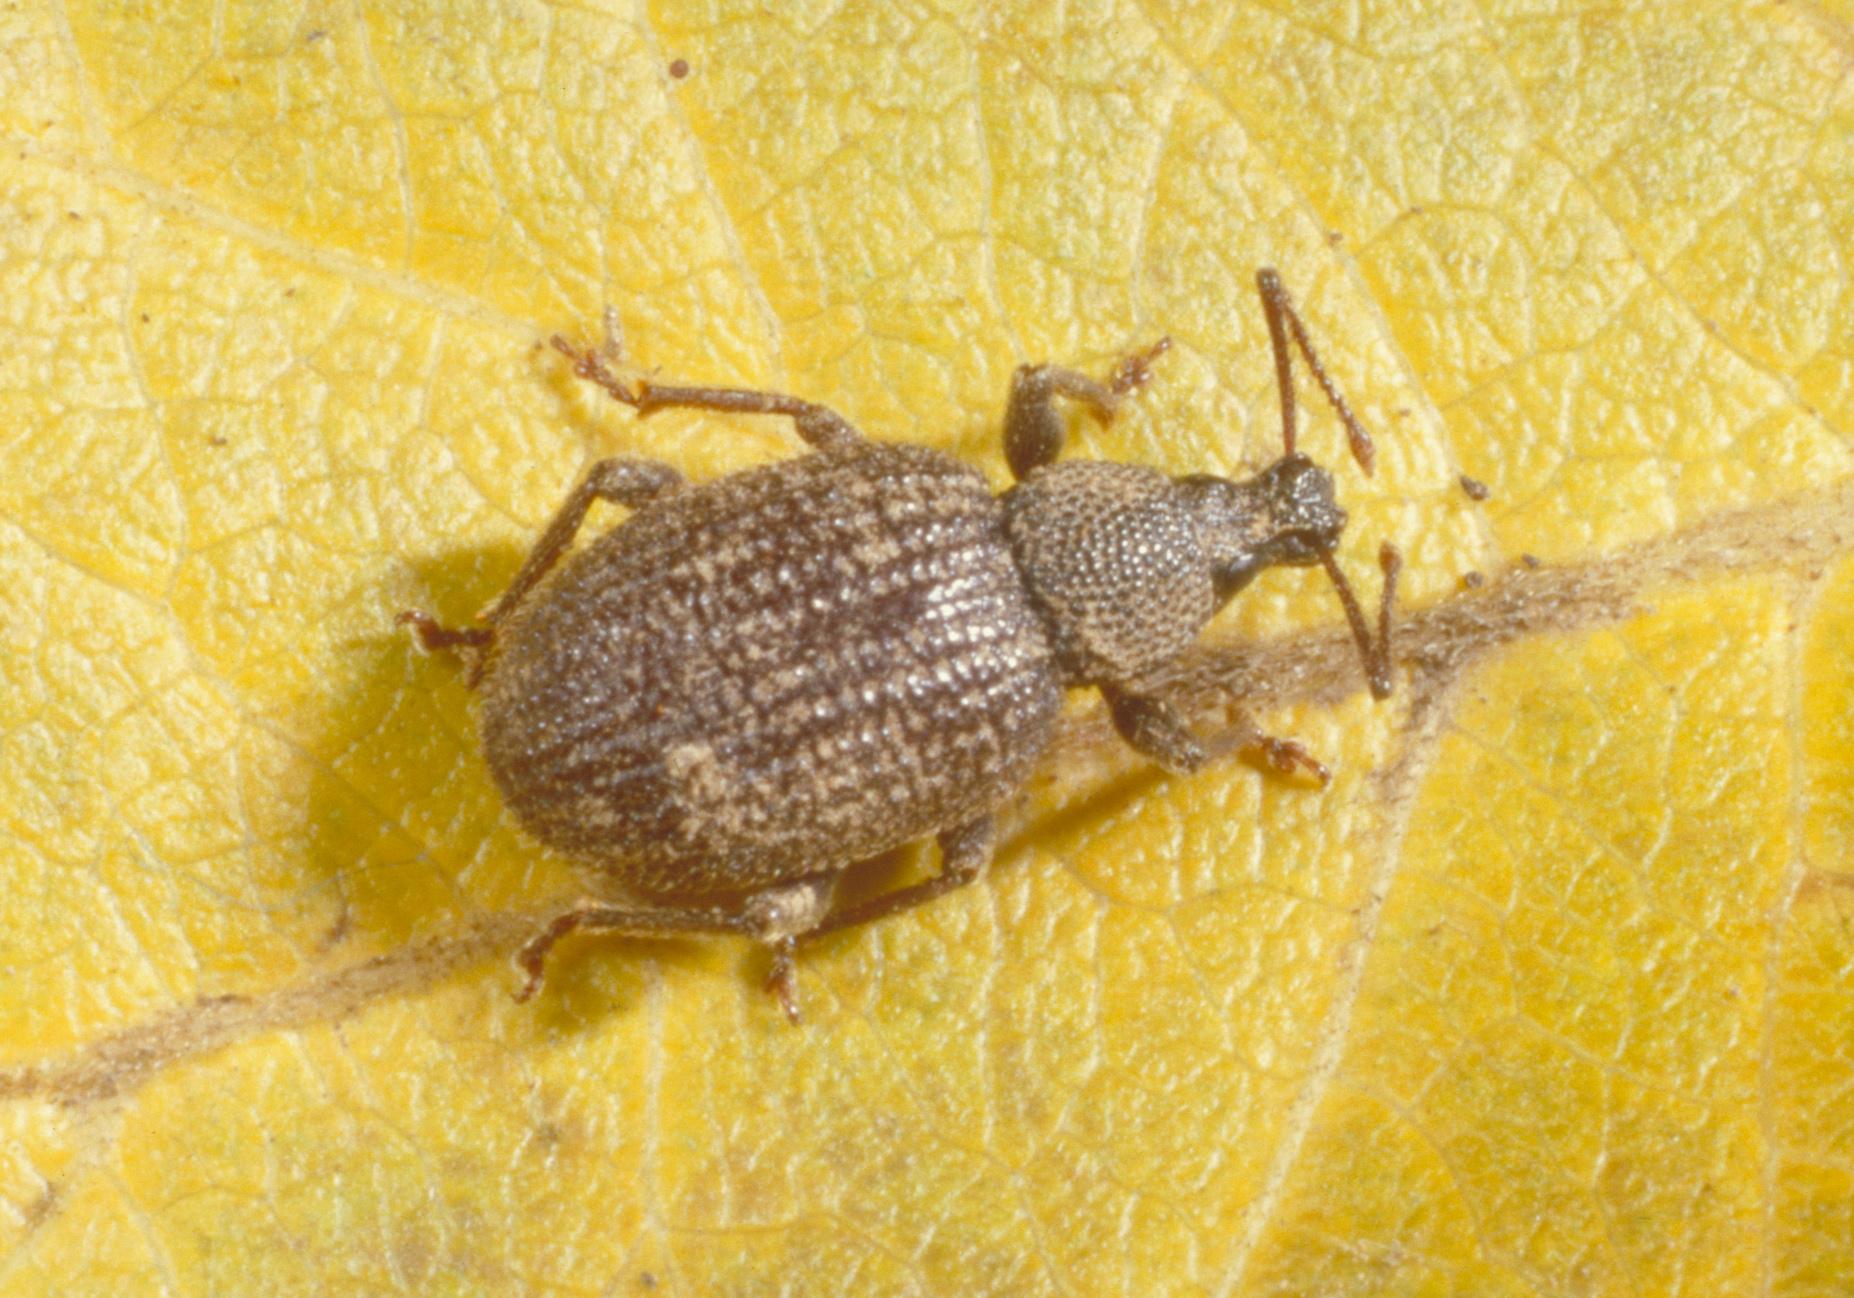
1549,993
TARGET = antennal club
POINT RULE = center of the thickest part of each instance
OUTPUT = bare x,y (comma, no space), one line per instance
1284,321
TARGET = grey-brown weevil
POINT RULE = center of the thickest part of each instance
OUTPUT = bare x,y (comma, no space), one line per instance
748,686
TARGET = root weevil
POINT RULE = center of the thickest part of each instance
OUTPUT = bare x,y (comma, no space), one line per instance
749,685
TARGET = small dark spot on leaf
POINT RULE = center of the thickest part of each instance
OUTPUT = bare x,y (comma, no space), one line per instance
679,68
337,931
41,1207
215,440
144,317
1475,488
1472,580
648,1279
1530,560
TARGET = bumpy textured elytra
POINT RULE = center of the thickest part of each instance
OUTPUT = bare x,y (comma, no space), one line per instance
833,650
749,685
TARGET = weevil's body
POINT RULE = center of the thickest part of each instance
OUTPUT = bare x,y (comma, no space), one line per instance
749,685
774,674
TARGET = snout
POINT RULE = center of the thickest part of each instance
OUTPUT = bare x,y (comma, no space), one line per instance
1307,519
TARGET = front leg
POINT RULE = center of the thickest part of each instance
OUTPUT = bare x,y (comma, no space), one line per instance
1033,430
1153,728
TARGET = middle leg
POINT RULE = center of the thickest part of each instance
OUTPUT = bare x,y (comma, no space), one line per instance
1153,728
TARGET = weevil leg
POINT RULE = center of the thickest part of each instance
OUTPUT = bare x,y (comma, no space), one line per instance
435,637
631,483
1033,428
1285,322
779,917
772,915
1153,728
630,921
821,427
1283,756
964,853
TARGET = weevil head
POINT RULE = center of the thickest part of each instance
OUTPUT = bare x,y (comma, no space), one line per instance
1127,564
1286,514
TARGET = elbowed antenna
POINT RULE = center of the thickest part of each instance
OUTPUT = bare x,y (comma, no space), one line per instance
1284,322
1376,657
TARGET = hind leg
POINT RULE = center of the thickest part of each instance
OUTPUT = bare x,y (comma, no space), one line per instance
783,918
821,427
964,853
632,483
773,916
